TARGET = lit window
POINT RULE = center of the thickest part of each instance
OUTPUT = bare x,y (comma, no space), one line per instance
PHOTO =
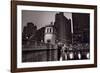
88,55
71,55
79,55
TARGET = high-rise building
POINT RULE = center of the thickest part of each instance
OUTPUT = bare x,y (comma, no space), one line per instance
81,27
63,28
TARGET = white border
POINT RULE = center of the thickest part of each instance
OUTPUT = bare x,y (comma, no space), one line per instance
55,63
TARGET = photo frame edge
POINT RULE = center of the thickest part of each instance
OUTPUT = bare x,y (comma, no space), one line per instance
14,36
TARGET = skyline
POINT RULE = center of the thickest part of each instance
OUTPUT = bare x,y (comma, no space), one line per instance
41,18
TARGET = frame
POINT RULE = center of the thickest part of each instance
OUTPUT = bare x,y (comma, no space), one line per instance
64,36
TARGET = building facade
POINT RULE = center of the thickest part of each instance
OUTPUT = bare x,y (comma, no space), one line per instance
63,28
81,27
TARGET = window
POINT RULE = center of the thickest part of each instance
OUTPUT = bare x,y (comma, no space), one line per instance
50,29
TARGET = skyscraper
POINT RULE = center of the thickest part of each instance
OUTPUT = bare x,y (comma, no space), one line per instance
81,27
63,28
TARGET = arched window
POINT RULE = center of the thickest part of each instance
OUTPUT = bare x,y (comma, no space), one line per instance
50,30
47,30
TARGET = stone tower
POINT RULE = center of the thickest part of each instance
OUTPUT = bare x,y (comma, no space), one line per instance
49,36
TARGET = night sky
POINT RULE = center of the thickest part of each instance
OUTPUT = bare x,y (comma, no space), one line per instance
40,18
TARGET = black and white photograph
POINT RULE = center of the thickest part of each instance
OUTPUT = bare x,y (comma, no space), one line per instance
55,36
52,36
